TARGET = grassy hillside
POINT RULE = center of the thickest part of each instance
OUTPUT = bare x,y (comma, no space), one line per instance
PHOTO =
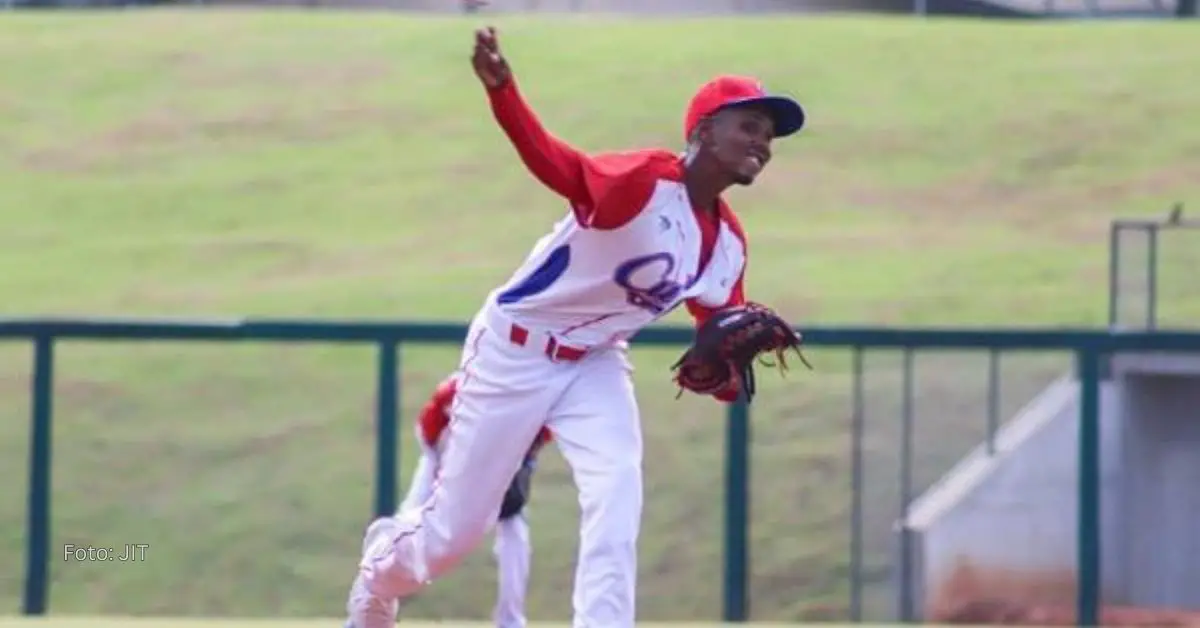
322,164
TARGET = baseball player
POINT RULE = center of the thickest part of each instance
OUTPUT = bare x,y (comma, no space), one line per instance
645,231
511,549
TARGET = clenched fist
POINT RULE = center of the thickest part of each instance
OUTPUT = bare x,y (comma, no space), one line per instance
488,61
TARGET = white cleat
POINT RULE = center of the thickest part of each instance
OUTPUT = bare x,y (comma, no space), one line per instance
365,609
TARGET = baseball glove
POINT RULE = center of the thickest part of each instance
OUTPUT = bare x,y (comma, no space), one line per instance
727,346
521,486
518,491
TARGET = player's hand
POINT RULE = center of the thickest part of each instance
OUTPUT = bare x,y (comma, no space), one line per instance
489,63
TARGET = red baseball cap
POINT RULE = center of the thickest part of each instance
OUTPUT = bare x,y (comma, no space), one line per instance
728,91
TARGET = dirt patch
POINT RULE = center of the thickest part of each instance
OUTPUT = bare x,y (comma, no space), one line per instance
302,265
1063,211
291,265
982,596
148,138
68,393
287,253
173,125
294,76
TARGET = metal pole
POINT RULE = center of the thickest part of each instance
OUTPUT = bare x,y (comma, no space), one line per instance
993,399
1114,271
1152,279
1088,558
737,506
37,552
906,445
856,487
386,432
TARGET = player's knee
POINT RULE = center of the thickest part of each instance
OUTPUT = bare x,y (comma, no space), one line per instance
616,498
448,541
467,535
626,479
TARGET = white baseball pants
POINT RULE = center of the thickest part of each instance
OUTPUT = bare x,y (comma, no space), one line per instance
506,394
511,548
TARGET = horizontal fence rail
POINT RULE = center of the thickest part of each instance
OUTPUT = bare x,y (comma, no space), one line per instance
1090,347
325,331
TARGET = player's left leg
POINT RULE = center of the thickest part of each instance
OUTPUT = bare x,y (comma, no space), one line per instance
372,609
513,552
501,403
598,430
422,481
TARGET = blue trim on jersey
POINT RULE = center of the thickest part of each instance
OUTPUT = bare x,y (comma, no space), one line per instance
541,278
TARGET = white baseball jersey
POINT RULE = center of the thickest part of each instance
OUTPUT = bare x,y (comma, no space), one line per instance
593,285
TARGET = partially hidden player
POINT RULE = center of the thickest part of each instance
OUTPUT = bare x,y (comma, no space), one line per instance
646,231
511,549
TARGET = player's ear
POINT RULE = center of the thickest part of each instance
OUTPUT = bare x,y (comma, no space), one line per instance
702,134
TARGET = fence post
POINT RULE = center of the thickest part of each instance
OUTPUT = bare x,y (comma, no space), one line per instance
1114,272
386,432
1088,557
908,399
737,506
857,429
41,433
1152,277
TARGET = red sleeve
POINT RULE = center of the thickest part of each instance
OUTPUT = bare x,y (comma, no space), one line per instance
435,414
737,296
605,192
701,314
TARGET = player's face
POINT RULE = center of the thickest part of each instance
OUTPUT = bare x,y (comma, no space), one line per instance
741,142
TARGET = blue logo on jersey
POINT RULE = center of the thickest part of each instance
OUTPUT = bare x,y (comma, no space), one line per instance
648,282
542,277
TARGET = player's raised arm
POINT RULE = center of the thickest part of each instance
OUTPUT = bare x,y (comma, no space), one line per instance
556,164
604,191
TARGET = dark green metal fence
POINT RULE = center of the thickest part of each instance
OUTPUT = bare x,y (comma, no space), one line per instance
1146,273
1089,347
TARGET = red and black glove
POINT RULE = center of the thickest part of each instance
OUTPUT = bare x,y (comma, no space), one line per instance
726,347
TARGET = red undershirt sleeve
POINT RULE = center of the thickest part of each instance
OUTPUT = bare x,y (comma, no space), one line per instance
604,191
701,314
737,296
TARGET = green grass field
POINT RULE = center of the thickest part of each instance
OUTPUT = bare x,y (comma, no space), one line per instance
346,165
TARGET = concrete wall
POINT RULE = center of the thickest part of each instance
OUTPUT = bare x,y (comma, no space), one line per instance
1004,525
1160,485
